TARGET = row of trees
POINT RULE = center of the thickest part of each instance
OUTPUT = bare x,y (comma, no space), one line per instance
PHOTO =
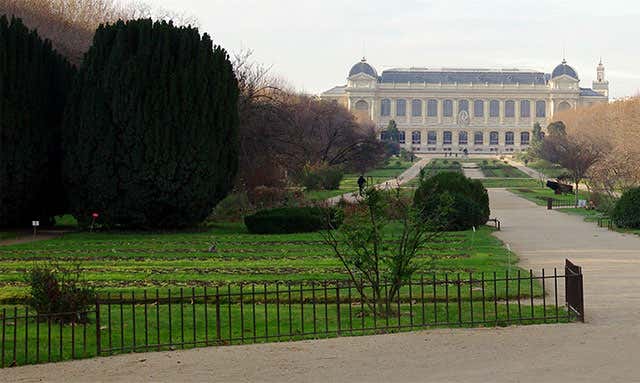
146,136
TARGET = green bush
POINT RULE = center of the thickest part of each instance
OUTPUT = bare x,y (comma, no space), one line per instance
470,205
288,220
626,213
322,177
59,291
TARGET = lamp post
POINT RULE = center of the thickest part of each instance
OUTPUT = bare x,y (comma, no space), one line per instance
94,216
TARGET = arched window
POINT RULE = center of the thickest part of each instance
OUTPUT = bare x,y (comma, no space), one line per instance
401,137
508,138
525,109
494,138
463,105
563,106
447,108
432,108
362,105
416,108
524,138
446,138
432,138
385,107
509,109
463,138
541,109
494,108
416,137
478,108
478,138
401,107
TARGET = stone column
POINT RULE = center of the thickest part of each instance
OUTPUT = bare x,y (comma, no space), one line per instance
517,114
501,108
440,109
486,111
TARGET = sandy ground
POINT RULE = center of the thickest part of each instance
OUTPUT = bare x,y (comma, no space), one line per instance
605,349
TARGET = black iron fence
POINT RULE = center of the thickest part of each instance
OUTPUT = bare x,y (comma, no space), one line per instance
250,313
606,222
561,202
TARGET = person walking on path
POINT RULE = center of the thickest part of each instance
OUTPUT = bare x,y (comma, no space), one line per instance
361,183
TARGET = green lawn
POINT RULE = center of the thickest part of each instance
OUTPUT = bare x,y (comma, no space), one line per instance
547,168
510,183
540,195
494,168
133,264
116,262
349,183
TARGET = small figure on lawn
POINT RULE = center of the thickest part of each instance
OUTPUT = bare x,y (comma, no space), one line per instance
361,183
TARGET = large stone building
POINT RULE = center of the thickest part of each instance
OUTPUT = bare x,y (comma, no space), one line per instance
449,110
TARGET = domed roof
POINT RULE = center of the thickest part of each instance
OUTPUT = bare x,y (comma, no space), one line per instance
363,67
564,69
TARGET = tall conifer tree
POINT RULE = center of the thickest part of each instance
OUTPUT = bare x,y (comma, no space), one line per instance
34,80
151,128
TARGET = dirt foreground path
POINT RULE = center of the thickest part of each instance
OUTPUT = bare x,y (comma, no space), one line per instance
605,349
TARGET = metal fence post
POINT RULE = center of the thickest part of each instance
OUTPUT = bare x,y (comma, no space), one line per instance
98,347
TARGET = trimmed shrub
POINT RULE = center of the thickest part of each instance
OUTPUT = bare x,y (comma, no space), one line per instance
151,128
322,177
59,291
470,205
626,213
287,220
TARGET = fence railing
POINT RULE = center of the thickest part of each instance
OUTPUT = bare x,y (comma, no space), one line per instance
560,203
606,222
251,313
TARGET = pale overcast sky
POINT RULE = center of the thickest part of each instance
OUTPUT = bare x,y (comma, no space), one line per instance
313,44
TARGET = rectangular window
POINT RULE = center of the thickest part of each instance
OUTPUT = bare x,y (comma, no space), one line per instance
494,109
478,138
432,108
401,137
416,137
509,109
541,109
416,108
446,138
401,107
463,139
524,138
493,138
447,108
463,105
478,108
432,138
525,109
385,108
509,138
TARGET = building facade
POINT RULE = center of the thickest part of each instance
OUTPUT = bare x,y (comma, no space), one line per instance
450,110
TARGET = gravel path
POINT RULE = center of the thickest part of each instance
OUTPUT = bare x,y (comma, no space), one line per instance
605,349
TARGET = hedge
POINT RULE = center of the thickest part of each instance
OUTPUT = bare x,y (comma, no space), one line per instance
289,220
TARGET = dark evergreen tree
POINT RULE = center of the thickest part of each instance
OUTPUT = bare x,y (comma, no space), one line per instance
33,86
151,135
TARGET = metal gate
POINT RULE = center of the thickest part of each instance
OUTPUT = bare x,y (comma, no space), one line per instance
573,289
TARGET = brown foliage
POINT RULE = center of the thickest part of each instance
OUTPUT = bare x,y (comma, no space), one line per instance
616,127
281,131
70,24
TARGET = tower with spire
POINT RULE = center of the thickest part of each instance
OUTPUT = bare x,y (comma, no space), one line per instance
601,85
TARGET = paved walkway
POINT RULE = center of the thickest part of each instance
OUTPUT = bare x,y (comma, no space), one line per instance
472,170
403,178
28,237
605,349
